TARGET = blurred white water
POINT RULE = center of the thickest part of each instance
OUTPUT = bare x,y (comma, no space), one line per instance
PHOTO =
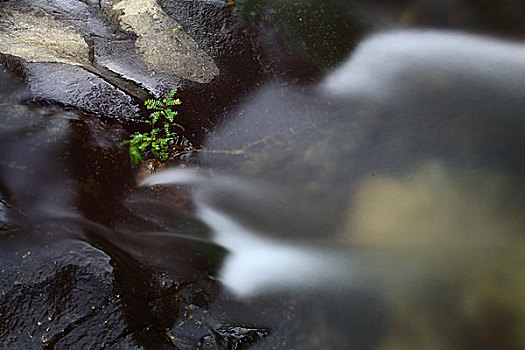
403,169
435,116
391,63
256,264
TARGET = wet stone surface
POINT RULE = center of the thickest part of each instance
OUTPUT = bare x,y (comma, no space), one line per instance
232,337
83,267
244,52
83,35
162,44
84,90
128,51
90,261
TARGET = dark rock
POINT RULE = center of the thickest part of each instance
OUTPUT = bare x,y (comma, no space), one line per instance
61,300
233,337
324,31
74,86
75,33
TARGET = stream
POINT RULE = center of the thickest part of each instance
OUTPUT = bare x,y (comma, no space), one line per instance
349,182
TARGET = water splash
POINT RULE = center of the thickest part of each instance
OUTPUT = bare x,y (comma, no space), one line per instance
256,264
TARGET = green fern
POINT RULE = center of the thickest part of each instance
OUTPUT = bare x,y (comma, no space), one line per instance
157,141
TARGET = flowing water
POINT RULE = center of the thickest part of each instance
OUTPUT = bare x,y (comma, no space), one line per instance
381,207
399,174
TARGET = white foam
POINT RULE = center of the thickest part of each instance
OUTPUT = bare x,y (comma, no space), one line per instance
256,264
184,176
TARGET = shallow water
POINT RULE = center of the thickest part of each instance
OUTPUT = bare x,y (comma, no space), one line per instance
380,207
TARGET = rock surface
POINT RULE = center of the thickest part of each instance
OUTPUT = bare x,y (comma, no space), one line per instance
37,36
143,49
75,269
115,65
88,92
162,44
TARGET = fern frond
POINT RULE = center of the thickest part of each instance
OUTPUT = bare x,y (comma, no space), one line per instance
163,156
171,94
153,133
141,143
155,116
174,102
135,156
143,146
169,134
137,134
153,104
169,114
155,154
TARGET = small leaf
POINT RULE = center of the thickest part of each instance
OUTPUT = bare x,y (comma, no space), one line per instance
171,94
155,154
135,156
174,102
155,116
154,104
178,125
169,134
169,115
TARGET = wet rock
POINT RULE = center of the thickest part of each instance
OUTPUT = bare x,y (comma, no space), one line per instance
161,42
60,174
86,154
116,56
4,214
56,62
85,16
130,48
61,300
324,31
233,337
71,86
37,36
79,271
76,33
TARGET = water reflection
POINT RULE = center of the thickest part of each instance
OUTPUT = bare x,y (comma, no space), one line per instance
410,155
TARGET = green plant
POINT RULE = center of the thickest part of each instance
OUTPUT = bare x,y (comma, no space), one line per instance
158,140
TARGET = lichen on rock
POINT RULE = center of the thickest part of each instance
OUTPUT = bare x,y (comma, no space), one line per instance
37,36
162,44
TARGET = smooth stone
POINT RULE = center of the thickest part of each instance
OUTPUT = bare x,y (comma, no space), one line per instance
73,86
